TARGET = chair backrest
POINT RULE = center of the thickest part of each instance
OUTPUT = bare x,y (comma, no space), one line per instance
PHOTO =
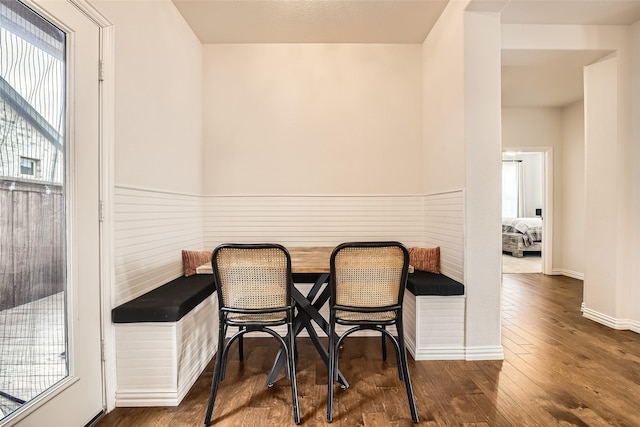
252,276
369,274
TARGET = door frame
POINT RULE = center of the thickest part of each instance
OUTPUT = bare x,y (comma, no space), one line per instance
106,130
547,212
106,140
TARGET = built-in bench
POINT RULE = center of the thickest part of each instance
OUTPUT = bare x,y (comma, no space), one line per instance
166,337
434,315
164,340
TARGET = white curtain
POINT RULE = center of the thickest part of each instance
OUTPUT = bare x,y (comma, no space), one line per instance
513,189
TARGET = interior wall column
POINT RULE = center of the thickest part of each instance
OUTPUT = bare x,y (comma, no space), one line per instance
482,103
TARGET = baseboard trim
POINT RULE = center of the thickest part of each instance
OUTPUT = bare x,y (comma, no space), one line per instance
568,273
141,398
485,353
610,321
439,353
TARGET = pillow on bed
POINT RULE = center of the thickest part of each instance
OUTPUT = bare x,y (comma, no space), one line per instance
425,259
194,259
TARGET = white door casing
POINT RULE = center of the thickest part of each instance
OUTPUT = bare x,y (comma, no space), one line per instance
79,398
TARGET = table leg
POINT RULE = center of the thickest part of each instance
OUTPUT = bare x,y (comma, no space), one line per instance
307,312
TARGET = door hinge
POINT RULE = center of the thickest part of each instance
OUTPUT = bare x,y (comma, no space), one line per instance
101,71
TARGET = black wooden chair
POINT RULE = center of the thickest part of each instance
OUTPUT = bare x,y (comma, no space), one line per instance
254,284
367,286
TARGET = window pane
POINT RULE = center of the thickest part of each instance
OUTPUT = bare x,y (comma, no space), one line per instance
33,334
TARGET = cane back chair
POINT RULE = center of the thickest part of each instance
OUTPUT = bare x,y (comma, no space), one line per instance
367,286
253,283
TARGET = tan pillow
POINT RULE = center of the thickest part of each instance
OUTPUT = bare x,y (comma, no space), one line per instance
425,259
194,259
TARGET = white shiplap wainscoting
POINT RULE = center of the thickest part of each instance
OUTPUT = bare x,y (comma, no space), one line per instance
157,362
444,227
322,220
435,326
151,229
313,220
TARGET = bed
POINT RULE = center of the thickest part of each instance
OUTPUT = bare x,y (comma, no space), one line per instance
520,235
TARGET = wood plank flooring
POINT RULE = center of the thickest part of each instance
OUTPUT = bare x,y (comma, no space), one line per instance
559,369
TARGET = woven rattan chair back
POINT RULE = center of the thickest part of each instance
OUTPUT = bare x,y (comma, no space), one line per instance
254,277
369,276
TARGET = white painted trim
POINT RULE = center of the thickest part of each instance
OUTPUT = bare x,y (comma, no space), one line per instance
147,397
439,193
311,195
485,353
439,353
107,174
610,321
547,229
568,273
155,191
91,12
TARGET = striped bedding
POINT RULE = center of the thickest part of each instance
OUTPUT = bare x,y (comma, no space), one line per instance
530,228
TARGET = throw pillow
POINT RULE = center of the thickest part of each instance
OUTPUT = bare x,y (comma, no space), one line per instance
194,259
425,259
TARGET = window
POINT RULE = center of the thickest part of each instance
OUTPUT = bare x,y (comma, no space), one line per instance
28,166
512,189
33,264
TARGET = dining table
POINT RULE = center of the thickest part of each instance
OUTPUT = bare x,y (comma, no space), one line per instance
309,264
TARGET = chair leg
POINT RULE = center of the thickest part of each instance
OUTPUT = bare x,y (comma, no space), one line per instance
331,367
241,346
291,358
217,375
384,345
223,365
405,369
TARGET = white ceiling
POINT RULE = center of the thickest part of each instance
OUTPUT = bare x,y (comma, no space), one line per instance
549,78
538,78
311,21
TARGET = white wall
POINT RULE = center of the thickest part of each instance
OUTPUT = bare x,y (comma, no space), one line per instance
443,102
158,97
158,143
461,137
483,178
601,186
312,119
571,225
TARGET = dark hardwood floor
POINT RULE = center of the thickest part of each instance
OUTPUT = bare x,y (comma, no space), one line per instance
559,369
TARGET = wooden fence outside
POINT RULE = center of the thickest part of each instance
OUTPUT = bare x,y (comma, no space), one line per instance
32,241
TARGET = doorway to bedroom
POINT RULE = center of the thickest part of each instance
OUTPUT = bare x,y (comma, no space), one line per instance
522,211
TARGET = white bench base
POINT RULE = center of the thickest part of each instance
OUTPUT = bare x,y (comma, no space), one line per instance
158,362
434,326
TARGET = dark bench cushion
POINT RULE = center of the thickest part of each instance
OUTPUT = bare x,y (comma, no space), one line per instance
424,283
167,303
